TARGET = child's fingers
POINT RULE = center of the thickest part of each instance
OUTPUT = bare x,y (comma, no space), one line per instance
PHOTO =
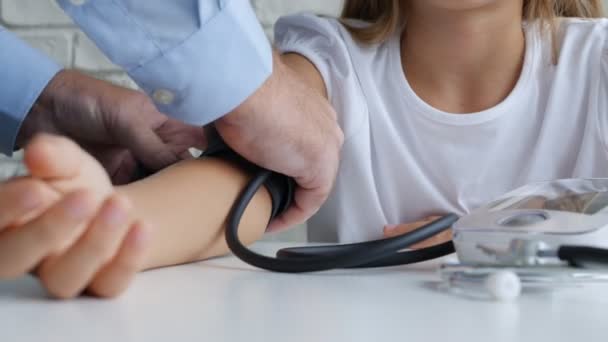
65,166
396,230
400,229
114,278
442,237
67,275
42,157
21,249
22,198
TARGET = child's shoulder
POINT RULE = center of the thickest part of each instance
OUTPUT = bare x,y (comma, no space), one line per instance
582,29
573,40
328,40
582,23
578,40
323,29
309,25
321,23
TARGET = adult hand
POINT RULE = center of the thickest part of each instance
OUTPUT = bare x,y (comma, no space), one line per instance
288,127
119,126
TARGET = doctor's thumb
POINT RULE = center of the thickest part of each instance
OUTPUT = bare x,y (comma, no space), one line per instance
149,149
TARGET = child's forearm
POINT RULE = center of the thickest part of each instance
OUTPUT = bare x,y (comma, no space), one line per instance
187,205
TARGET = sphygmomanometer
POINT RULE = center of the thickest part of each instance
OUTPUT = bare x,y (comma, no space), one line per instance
535,232
309,259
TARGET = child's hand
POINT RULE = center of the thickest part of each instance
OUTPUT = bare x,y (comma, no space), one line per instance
66,221
395,230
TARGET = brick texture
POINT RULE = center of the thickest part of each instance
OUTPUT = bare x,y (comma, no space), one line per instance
33,13
44,26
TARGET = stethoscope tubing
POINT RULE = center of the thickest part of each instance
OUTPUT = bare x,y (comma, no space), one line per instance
378,253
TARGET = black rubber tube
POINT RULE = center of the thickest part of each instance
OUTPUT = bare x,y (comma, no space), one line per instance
584,257
367,254
395,259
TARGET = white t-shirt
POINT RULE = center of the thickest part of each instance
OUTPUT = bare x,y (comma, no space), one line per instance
403,160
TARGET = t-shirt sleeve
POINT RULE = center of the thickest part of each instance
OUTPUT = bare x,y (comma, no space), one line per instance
327,45
602,95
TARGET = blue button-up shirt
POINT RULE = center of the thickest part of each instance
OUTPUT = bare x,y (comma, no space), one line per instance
199,58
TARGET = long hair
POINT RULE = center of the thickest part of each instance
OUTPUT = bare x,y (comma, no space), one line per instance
387,16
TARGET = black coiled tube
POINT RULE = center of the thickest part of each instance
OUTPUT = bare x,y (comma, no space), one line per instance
377,253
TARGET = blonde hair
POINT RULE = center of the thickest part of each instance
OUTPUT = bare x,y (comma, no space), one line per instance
387,16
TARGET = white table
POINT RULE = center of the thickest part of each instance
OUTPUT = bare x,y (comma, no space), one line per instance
225,300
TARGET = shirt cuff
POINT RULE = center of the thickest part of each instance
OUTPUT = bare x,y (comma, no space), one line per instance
199,79
25,73
213,71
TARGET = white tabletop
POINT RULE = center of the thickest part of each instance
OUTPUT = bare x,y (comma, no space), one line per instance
225,300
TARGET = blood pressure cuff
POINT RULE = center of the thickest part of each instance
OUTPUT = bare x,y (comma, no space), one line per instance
280,187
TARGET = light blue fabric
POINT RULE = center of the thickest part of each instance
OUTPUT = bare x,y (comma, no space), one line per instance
24,73
209,54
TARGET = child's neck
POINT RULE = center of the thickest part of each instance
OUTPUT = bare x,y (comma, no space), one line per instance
463,61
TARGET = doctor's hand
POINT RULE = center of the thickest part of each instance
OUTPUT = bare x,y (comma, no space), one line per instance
400,229
67,225
118,126
288,127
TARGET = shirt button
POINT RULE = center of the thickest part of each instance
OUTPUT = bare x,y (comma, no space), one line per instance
78,2
163,96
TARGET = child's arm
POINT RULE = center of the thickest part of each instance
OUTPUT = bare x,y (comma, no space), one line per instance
67,224
187,205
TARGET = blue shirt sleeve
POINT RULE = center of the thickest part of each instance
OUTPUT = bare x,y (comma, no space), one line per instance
24,72
197,59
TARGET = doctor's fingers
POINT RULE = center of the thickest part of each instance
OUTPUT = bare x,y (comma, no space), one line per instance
23,247
23,199
115,277
66,275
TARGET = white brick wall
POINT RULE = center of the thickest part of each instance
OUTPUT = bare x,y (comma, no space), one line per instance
42,24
